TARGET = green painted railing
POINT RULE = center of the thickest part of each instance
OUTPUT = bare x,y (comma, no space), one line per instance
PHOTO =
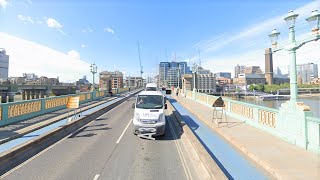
270,120
18,111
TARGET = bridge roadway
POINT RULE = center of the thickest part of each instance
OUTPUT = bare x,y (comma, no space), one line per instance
105,149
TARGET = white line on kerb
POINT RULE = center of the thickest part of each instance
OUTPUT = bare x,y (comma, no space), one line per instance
96,176
124,131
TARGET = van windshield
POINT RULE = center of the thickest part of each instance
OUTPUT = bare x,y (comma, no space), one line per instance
151,89
149,102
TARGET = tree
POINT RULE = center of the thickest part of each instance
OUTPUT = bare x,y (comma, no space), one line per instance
260,87
252,87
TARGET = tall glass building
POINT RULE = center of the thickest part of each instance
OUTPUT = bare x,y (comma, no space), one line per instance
170,73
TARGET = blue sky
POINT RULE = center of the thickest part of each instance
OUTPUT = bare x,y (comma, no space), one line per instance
107,32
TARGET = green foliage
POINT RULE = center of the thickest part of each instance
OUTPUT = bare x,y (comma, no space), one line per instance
275,87
259,87
252,87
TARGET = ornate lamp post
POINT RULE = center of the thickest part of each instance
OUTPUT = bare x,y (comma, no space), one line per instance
93,70
293,45
179,76
194,72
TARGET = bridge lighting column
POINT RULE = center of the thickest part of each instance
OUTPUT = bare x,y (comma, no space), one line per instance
293,45
194,72
292,115
93,70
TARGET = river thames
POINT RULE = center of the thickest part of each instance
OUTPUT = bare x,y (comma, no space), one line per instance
312,101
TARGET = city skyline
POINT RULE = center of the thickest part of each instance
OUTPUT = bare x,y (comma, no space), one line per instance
112,44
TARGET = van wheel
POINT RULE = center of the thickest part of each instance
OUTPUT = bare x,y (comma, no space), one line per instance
134,132
163,134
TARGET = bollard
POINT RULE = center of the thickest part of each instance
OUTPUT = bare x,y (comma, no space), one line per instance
11,96
3,97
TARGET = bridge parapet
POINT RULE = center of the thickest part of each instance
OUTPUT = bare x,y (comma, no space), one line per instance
18,111
293,124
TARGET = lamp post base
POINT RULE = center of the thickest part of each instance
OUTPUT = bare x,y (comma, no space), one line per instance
292,122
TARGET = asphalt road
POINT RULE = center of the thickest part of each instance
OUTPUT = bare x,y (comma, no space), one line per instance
93,153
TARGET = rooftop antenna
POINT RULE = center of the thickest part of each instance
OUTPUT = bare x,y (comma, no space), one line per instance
141,67
199,58
166,54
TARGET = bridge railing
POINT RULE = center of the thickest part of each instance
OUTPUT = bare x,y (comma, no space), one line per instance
267,119
18,111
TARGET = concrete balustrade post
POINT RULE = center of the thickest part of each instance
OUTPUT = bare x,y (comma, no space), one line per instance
28,95
3,97
23,95
37,94
11,96
42,94
48,93
32,94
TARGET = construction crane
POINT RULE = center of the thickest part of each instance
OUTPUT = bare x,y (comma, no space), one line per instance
141,67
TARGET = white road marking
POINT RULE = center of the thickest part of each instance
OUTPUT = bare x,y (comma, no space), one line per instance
184,164
124,131
48,148
96,176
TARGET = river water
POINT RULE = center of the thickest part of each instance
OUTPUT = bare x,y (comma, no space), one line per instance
312,101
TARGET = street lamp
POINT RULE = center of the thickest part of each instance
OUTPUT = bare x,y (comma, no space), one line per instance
93,70
293,45
179,76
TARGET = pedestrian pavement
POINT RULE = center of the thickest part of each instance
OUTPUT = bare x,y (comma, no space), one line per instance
280,158
15,130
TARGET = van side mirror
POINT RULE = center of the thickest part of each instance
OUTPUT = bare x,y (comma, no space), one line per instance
168,91
133,105
165,106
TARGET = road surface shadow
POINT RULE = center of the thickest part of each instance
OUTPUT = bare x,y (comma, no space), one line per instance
86,129
169,135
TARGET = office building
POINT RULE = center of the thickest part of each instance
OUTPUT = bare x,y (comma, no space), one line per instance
110,80
252,70
4,64
238,70
133,82
170,73
205,81
247,79
307,72
223,74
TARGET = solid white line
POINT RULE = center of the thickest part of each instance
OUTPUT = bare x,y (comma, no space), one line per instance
124,131
184,164
96,176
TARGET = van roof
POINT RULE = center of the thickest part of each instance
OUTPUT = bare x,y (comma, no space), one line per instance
151,85
150,93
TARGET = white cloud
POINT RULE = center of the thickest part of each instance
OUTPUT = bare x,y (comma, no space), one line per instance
87,30
30,57
52,23
254,39
4,3
83,46
110,30
25,18
74,54
256,30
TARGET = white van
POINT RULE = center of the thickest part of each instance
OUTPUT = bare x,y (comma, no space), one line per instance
151,87
149,113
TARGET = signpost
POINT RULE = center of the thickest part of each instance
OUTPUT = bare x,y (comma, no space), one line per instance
73,104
